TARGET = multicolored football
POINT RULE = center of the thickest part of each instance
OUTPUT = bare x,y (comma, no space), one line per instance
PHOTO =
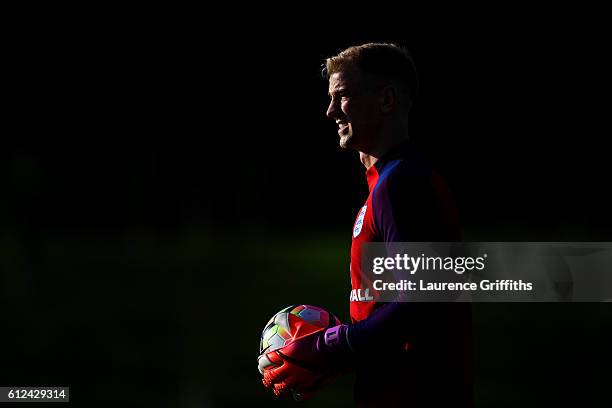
291,324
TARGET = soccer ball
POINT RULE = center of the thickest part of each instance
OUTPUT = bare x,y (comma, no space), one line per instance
291,324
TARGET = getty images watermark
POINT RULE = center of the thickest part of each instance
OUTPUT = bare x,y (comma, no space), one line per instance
486,272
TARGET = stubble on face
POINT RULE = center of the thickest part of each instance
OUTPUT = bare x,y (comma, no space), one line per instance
352,108
341,90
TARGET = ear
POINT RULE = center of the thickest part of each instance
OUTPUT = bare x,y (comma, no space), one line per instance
388,99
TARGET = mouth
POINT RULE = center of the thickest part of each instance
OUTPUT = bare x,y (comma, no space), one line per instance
342,128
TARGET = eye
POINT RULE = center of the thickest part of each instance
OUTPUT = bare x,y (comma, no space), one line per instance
339,96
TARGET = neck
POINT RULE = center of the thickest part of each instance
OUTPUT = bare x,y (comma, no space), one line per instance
388,138
367,160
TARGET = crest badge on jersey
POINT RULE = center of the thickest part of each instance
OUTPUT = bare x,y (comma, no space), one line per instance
359,222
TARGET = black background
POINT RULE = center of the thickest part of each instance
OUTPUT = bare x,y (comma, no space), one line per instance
170,183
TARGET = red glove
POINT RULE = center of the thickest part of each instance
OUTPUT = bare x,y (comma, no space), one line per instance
305,365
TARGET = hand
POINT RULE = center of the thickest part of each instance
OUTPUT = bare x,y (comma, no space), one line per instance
284,375
305,365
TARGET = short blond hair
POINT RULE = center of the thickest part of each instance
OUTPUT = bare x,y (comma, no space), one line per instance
379,61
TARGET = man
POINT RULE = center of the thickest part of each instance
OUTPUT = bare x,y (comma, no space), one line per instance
404,354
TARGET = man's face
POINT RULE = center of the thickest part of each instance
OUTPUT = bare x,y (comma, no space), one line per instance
355,110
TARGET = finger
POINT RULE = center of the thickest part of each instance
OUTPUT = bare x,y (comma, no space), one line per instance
264,363
275,358
267,381
276,374
281,389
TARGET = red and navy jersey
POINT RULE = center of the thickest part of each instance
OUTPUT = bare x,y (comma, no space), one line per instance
408,353
408,201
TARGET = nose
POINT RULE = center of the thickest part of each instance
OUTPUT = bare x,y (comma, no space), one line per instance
332,109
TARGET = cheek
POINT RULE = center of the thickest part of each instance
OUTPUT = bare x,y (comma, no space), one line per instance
362,110
353,112
346,109
359,115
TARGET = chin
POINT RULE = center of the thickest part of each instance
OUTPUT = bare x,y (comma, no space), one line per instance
349,142
345,142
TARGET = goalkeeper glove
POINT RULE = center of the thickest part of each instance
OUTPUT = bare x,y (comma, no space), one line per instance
307,364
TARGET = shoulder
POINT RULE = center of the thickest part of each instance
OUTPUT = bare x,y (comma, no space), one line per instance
403,174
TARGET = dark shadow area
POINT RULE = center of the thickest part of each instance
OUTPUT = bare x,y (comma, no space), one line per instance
165,194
